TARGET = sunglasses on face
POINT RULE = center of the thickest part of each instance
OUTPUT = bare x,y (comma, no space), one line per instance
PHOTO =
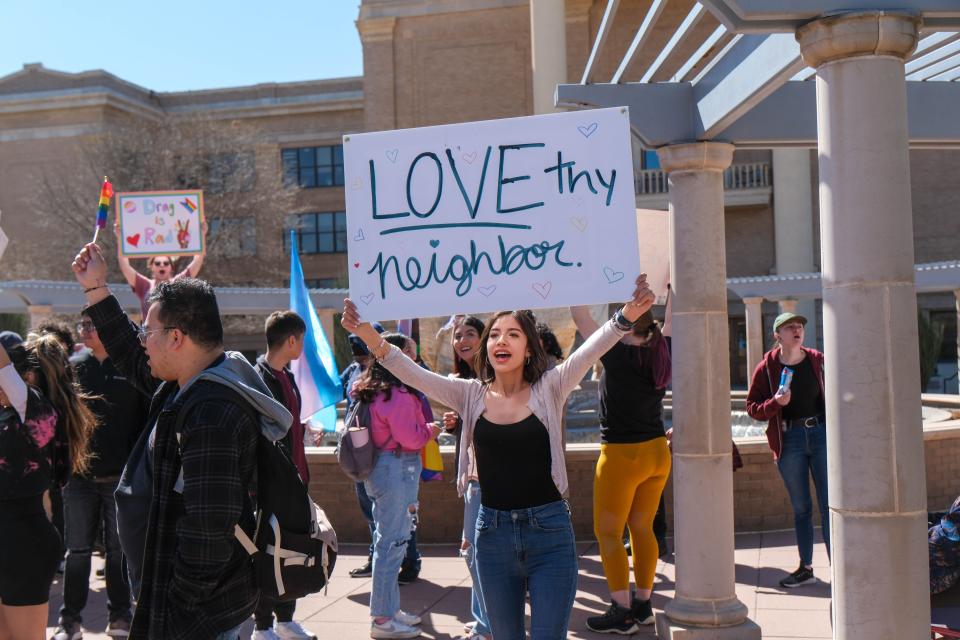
86,325
161,263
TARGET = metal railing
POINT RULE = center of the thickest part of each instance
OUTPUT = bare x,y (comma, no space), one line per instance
739,176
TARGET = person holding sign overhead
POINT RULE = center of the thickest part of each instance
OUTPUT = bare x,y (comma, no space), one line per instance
161,268
512,442
787,391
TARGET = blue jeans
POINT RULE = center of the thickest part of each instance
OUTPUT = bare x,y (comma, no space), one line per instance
471,509
232,634
87,504
412,559
392,487
804,454
527,550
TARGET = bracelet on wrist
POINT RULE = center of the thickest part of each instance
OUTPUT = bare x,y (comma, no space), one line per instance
621,321
89,289
380,351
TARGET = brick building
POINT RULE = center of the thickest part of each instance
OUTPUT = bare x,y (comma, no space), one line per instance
426,62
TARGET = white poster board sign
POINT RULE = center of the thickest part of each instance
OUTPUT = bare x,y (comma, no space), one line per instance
505,214
161,223
653,238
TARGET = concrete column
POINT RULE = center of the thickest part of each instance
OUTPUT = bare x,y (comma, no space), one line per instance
793,224
956,294
379,72
878,508
789,305
754,317
706,604
548,40
38,314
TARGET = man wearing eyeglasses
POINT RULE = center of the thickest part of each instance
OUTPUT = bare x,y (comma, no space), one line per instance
186,485
88,499
161,268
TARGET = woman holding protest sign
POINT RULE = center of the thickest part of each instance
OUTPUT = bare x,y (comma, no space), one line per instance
512,443
399,431
633,466
787,391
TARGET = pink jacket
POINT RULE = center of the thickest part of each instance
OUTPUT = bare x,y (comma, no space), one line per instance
398,423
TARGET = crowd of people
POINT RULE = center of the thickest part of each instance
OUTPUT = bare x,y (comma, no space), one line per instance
151,433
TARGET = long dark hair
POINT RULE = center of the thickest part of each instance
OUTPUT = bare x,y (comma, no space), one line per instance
464,369
654,351
46,357
376,379
534,366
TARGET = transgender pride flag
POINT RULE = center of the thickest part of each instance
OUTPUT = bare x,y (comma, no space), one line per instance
316,369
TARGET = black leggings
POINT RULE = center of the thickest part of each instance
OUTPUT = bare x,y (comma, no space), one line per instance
29,552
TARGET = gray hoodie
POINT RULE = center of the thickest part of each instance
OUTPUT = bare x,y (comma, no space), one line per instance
236,373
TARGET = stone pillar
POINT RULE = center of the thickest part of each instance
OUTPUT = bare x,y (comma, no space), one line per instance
793,224
379,72
706,604
878,509
548,41
755,337
956,295
38,314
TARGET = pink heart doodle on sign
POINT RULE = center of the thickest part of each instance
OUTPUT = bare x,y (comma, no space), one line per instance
470,157
367,299
356,265
486,292
542,288
134,239
392,155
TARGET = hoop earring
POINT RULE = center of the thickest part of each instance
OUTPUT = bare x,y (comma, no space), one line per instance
527,361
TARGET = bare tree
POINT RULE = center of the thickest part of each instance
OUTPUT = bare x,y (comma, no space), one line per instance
243,192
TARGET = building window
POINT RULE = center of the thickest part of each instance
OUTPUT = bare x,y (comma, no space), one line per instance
233,237
310,167
318,232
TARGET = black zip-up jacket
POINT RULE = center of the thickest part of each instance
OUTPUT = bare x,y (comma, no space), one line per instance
197,581
270,379
122,412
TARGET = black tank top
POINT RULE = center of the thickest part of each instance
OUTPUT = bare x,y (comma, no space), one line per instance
514,464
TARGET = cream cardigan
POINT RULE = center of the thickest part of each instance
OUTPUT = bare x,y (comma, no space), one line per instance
547,397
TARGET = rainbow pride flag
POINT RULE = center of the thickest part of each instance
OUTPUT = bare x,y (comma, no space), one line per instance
106,193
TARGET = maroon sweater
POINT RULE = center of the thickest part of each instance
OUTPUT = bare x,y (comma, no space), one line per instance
766,381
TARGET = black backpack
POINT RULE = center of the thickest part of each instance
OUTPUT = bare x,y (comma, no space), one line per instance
294,547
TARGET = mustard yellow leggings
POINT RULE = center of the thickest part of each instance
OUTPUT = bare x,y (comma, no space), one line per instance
626,491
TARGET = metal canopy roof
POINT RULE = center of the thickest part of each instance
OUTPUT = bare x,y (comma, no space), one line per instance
702,81
786,15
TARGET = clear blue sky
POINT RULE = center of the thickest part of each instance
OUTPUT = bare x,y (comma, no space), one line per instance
179,45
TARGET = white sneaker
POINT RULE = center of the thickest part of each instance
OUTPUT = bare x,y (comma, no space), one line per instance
410,619
68,632
292,631
393,629
264,634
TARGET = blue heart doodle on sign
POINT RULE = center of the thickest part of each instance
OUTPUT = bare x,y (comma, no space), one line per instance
611,275
486,292
588,130
434,243
392,155
367,299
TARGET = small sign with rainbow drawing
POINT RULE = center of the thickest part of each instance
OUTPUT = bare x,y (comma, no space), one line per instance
161,223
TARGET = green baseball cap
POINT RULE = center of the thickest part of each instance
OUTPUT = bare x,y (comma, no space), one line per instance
784,318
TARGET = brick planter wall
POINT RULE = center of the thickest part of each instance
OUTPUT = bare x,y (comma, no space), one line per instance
760,500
